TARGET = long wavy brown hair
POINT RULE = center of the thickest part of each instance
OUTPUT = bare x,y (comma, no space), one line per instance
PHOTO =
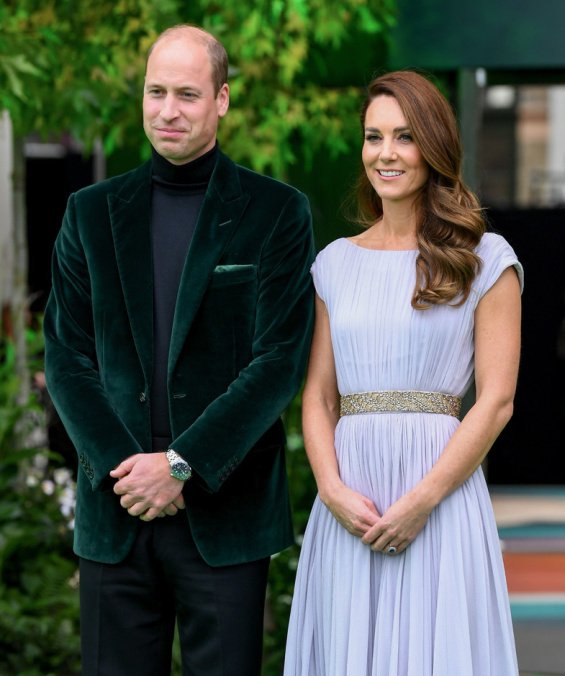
450,222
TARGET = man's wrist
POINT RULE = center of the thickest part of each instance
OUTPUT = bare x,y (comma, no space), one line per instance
180,469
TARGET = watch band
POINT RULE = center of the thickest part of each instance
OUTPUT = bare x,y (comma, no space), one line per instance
180,469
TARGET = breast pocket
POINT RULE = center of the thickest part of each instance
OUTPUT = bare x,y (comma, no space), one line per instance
228,275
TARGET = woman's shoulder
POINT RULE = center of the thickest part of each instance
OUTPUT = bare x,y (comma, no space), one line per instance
496,255
332,252
333,247
493,244
490,239
326,266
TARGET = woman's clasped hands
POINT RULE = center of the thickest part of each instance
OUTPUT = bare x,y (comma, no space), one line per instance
390,533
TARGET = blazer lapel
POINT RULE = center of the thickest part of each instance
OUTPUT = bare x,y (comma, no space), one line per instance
130,216
219,217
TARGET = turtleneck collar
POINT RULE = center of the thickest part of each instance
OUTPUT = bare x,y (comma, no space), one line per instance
195,173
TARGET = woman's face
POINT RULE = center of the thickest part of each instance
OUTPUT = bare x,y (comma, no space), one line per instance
393,162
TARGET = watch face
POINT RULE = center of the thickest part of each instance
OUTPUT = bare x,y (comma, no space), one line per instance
180,470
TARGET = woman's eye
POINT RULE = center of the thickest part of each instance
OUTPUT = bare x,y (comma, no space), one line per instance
407,138
371,138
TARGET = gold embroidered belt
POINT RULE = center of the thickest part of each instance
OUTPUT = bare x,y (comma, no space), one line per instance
400,401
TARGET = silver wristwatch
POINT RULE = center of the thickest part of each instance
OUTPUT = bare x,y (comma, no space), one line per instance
180,469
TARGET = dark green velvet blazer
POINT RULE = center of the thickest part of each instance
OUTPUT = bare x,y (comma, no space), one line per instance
241,334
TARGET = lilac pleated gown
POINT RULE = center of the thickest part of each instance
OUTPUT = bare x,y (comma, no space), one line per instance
441,608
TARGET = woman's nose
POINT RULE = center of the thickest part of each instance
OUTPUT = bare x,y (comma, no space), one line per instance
387,150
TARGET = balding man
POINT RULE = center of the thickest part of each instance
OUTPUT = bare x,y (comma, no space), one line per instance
176,333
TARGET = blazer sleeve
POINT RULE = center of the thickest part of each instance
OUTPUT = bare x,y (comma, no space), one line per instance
71,366
219,439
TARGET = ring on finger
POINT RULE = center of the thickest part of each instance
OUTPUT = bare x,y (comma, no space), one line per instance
391,550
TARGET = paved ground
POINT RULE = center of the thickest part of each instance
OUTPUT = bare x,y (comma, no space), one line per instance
531,523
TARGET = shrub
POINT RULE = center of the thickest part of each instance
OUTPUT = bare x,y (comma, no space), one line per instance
39,634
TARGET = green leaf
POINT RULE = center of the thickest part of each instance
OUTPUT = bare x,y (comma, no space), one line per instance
14,81
21,64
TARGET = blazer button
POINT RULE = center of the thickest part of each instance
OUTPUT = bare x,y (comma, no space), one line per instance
142,397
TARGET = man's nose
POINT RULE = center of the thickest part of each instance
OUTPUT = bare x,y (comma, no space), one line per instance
169,109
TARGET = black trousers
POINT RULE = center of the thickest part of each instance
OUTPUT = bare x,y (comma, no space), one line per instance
128,610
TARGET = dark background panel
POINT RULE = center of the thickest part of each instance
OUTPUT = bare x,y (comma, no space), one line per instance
446,35
49,182
531,450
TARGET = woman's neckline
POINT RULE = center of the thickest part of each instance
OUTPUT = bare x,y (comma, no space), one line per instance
366,248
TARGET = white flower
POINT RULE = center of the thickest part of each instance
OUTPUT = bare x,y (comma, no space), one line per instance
67,501
62,476
37,437
40,461
47,486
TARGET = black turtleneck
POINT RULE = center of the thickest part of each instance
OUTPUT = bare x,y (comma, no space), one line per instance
177,195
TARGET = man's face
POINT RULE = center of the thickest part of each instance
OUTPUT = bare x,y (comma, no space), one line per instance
180,109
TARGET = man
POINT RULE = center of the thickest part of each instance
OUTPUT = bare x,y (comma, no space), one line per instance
176,333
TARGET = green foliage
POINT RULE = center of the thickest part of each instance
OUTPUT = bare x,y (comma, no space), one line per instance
77,67
281,111
68,66
38,573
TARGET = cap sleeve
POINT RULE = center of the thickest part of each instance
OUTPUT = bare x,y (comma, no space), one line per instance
317,271
496,255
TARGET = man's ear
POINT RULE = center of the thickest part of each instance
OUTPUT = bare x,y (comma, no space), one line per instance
223,99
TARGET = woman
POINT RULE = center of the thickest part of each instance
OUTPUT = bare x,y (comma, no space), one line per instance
401,572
